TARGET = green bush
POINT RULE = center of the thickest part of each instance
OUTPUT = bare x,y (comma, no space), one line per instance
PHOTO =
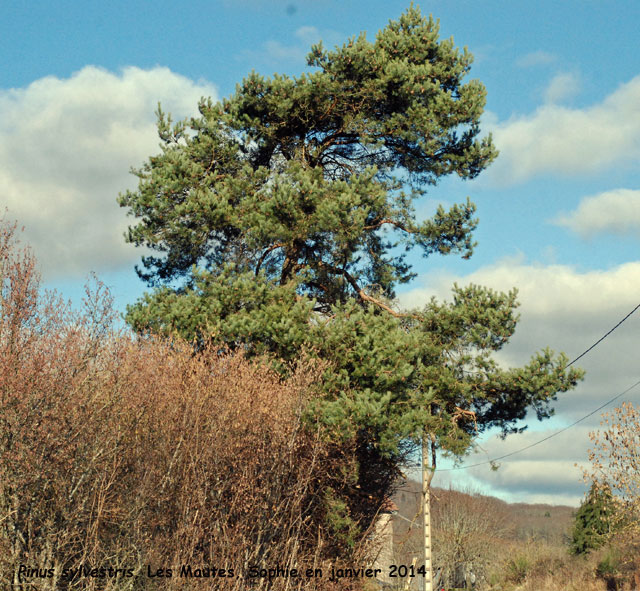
518,568
609,565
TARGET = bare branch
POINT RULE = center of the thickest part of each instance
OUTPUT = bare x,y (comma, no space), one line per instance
266,253
362,294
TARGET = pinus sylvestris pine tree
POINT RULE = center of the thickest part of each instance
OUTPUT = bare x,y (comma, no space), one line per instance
278,220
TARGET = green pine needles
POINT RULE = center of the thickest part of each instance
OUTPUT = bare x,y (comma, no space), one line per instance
595,521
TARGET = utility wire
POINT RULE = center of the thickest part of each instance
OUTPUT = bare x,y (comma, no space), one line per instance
602,338
513,453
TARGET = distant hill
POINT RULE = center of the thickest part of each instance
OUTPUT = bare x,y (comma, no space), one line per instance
470,531
518,521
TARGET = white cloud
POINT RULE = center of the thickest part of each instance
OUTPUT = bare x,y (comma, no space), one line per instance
274,52
544,291
547,479
562,86
308,35
545,473
567,310
566,141
66,147
278,52
536,58
613,212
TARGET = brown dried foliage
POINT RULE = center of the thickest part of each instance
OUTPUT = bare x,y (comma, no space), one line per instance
615,467
615,456
139,454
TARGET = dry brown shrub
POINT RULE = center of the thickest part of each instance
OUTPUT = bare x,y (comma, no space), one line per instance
138,454
538,566
615,468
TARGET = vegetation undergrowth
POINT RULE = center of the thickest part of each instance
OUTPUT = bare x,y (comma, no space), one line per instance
142,459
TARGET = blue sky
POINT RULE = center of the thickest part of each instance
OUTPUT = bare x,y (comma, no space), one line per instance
559,210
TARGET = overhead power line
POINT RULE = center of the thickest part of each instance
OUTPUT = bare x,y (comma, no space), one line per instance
603,337
526,447
513,453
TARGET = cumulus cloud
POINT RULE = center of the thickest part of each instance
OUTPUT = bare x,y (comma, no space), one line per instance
547,472
551,291
540,481
562,87
567,141
551,472
535,58
66,147
567,310
611,212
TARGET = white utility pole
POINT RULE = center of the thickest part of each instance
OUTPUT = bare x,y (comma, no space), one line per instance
428,468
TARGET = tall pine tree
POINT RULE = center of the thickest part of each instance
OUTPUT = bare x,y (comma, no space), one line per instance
278,220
